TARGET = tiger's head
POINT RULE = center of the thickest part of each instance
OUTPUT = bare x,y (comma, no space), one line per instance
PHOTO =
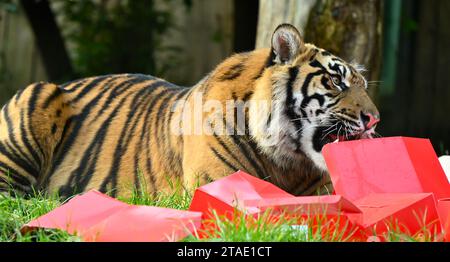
315,98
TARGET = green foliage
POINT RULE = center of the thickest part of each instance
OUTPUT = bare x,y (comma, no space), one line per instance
178,198
16,211
443,149
114,36
8,5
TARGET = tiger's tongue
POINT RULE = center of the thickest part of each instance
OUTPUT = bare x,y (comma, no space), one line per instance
336,138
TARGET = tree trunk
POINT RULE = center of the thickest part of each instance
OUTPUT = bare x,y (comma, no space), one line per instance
245,24
48,38
351,29
275,12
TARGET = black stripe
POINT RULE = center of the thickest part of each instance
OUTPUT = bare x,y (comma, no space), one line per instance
12,137
247,96
290,101
312,185
207,177
221,158
19,94
228,151
307,99
37,89
11,154
111,179
319,112
12,173
121,87
176,160
81,176
34,98
79,83
317,97
260,73
333,104
317,139
161,138
271,59
68,139
54,128
256,151
87,88
144,132
37,159
146,129
335,59
234,72
269,119
55,94
325,84
114,93
241,145
126,135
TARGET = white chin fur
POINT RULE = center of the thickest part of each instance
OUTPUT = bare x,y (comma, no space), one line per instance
274,141
308,149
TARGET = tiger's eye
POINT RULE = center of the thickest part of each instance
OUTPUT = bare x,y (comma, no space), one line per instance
336,81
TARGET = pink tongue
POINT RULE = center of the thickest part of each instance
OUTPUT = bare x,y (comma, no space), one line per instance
335,137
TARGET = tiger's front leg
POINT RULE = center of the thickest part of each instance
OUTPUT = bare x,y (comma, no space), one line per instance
203,164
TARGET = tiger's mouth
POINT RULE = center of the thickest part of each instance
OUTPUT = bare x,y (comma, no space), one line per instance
336,138
324,136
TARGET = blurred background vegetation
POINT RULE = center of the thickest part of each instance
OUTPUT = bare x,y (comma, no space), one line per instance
404,44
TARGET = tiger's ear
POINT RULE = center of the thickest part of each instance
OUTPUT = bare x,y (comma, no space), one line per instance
287,43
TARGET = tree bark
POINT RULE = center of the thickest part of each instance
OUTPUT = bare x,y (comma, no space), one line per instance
350,29
275,12
48,38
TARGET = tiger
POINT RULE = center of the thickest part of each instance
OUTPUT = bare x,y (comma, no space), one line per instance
108,132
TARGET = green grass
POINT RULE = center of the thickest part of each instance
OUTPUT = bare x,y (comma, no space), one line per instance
16,211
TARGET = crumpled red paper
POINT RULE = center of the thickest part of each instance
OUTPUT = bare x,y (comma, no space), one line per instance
444,214
381,185
399,213
253,196
386,165
96,217
394,184
250,196
392,165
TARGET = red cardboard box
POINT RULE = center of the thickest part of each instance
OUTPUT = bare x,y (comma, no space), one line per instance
246,193
225,194
96,217
241,193
410,214
444,214
370,172
385,165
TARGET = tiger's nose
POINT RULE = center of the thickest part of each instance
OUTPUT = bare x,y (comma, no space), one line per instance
370,120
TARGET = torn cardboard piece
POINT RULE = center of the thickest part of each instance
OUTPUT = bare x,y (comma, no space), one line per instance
96,217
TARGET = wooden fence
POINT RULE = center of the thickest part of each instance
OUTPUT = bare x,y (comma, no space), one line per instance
20,62
203,35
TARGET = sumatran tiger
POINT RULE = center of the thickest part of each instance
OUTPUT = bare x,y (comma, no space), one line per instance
267,112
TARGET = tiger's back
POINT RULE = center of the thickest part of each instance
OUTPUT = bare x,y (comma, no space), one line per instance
91,133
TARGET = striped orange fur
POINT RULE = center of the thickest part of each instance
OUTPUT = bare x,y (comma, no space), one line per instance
104,132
